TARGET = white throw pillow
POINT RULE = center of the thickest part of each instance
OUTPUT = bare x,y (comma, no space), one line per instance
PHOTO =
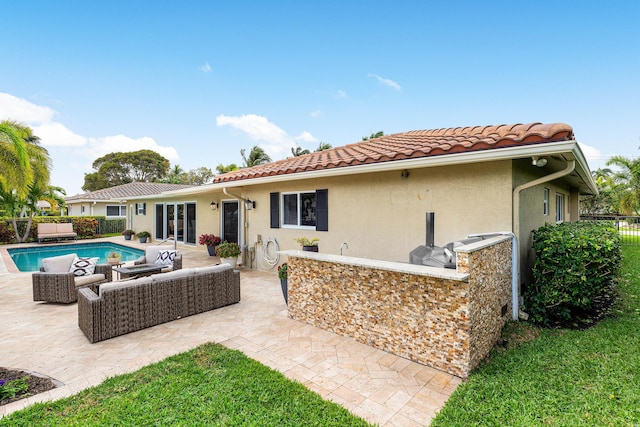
166,257
83,266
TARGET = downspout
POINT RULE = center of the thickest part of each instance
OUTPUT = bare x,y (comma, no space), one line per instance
245,246
571,165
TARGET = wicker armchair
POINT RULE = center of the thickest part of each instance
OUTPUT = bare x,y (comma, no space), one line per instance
151,255
62,286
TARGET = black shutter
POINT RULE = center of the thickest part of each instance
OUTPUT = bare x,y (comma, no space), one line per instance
144,208
275,209
136,208
322,210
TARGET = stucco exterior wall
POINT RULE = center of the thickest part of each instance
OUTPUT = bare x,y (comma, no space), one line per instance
382,216
531,209
441,318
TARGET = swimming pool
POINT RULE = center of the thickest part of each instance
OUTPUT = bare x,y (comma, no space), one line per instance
30,259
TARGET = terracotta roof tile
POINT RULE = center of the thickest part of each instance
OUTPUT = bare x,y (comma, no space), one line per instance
123,191
409,145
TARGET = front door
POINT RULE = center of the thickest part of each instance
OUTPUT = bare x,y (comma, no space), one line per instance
231,221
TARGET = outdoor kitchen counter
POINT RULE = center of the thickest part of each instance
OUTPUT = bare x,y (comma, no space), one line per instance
400,267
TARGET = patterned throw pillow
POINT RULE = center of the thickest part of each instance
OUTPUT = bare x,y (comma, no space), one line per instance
83,266
166,257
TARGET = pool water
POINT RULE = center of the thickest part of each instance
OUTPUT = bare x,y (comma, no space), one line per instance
30,259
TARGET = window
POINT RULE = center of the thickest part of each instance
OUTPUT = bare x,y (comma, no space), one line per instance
545,207
141,208
299,209
304,209
559,207
82,209
116,210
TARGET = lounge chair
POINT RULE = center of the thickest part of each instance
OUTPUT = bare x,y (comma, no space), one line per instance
57,281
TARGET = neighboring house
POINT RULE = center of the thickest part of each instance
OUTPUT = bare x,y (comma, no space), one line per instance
373,195
115,202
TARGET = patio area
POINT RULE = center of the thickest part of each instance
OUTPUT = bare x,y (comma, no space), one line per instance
378,386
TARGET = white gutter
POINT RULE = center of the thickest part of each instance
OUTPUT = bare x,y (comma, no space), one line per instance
571,165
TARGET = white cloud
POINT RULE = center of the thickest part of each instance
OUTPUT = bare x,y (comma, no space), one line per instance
56,134
316,114
256,127
98,147
274,141
340,94
72,154
206,68
386,82
306,137
14,108
590,153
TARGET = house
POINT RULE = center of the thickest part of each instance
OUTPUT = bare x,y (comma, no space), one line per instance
114,202
370,199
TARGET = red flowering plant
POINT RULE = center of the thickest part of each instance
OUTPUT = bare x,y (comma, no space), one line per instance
283,271
209,239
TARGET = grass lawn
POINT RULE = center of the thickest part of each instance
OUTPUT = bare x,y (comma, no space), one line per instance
209,385
560,377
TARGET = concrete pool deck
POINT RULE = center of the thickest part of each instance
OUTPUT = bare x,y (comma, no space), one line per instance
378,386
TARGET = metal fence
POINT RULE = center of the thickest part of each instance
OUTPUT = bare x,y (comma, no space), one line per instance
627,226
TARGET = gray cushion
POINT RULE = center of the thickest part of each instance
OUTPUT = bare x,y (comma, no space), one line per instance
58,264
124,284
213,268
176,274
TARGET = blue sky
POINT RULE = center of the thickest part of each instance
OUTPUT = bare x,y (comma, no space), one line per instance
198,81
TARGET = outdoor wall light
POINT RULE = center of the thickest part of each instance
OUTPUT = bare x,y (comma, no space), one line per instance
539,162
249,204
214,206
404,174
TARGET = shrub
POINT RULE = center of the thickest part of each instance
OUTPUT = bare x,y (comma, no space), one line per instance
575,271
85,227
228,250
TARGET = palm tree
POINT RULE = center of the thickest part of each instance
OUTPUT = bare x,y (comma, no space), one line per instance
323,146
228,168
373,135
628,179
20,145
299,151
257,156
15,169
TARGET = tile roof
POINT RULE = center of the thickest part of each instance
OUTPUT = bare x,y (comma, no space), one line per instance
410,145
123,191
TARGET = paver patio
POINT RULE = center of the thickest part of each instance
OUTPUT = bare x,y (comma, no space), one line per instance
378,386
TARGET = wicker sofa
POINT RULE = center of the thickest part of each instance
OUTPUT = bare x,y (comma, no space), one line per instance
127,306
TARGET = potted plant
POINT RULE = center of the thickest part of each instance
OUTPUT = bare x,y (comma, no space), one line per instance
143,236
283,275
228,252
127,234
211,241
310,245
113,258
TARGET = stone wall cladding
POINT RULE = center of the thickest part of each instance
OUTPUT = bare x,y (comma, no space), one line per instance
439,322
490,300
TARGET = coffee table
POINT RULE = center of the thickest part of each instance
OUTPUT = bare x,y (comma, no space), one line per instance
138,270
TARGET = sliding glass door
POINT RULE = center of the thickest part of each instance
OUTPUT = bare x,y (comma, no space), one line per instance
176,221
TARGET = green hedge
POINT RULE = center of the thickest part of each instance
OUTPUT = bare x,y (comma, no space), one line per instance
575,271
87,227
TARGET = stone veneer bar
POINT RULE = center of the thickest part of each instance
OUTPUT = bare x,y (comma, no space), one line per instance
447,319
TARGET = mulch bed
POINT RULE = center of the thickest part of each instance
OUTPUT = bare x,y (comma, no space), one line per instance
37,384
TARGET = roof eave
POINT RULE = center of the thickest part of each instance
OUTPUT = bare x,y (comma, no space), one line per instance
508,153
